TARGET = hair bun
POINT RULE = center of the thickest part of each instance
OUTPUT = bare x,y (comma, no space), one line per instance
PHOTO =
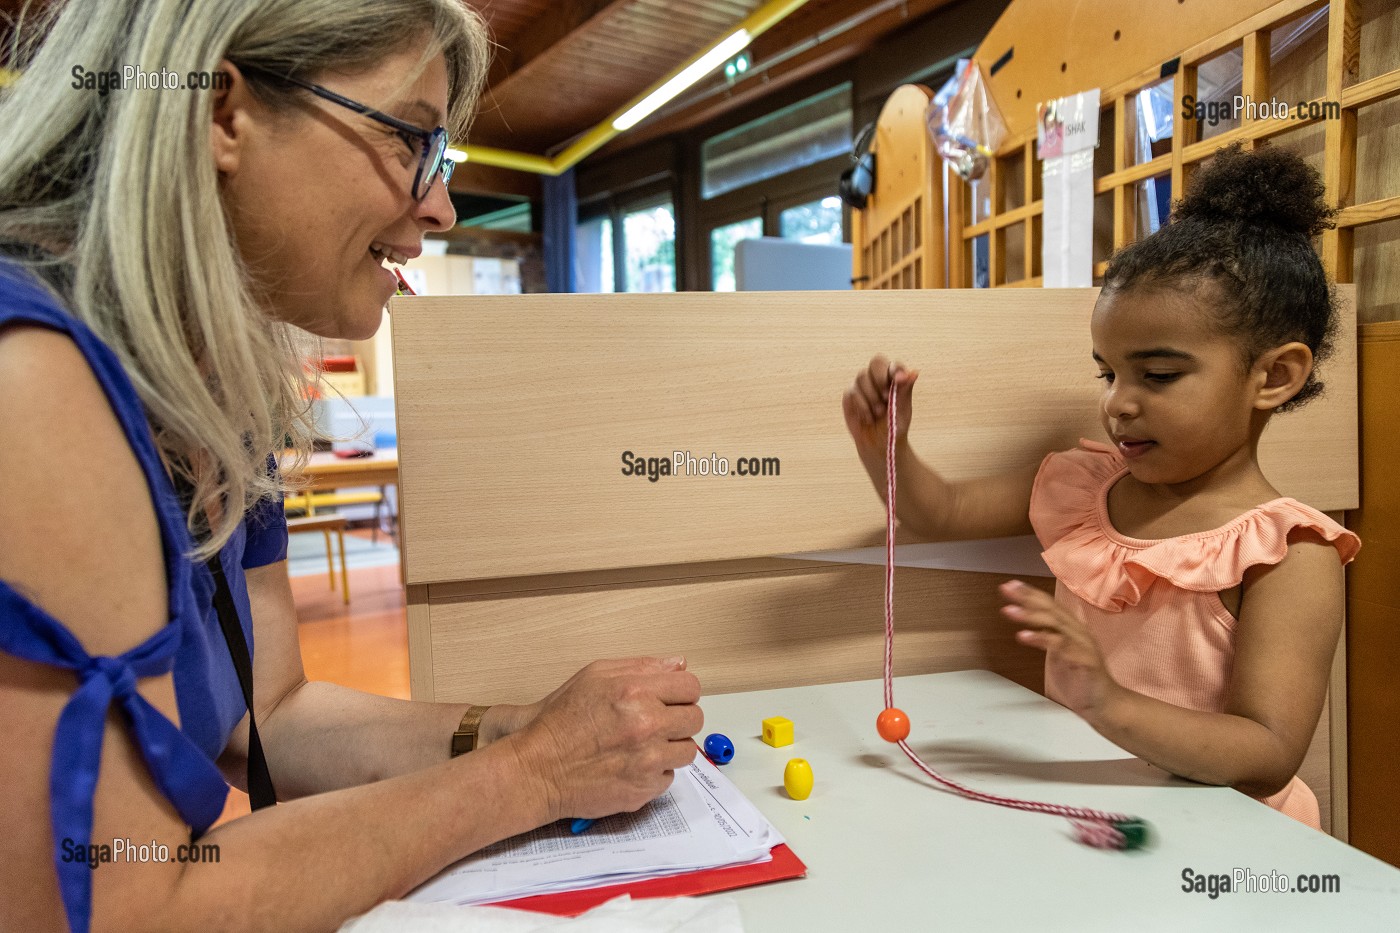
1267,186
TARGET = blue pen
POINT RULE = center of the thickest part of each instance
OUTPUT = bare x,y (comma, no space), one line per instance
580,825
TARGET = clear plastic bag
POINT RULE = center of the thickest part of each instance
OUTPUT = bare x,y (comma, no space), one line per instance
964,121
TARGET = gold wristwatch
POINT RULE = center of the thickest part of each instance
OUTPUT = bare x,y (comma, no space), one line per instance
465,738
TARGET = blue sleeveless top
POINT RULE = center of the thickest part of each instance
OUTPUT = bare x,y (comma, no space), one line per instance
191,644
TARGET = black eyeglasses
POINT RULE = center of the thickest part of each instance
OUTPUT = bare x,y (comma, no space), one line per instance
432,161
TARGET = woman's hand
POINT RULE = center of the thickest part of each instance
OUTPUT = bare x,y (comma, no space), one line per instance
1084,682
864,405
504,719
610,739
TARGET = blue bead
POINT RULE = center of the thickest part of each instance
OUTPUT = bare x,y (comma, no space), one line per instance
718,748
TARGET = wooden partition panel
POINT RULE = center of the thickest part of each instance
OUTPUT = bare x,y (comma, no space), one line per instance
1373,603
514,414
812,623
529,552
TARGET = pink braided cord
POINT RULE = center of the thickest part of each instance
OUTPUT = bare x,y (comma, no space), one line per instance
1092,827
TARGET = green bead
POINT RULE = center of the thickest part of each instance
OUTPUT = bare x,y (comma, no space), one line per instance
1135,833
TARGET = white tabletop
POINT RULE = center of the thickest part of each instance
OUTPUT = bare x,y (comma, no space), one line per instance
886,850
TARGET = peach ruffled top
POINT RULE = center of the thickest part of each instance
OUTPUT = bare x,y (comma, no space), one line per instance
1154,605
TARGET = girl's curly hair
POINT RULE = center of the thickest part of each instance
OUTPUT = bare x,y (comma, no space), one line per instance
1246,227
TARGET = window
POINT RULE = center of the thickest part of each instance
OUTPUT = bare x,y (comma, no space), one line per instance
517,219
813,222
593,256
649,244
803,134
774,175
626,246
722,242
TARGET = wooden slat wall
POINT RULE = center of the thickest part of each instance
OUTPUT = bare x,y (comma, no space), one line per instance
1063,48
1350,63
898,237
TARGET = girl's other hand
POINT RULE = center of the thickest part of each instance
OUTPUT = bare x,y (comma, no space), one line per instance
865,401
1085,684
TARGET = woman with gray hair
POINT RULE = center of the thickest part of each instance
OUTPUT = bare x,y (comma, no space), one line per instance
161,249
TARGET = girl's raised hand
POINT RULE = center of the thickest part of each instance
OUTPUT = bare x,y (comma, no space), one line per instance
1085,684
864,404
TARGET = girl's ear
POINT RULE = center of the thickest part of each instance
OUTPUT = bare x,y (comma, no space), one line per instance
1284,370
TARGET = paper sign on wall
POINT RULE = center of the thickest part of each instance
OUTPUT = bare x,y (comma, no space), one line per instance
1067,132
417,280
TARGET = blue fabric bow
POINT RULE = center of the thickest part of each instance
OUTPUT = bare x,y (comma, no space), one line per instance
184,774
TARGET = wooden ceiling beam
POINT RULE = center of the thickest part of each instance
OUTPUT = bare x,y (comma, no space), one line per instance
544,34
474,178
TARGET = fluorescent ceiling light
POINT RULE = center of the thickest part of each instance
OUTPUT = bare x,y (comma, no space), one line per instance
457,155
698,69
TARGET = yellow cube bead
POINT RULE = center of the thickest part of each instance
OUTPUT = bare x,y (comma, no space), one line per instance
777,731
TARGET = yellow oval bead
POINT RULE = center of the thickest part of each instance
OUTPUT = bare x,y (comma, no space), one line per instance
797,779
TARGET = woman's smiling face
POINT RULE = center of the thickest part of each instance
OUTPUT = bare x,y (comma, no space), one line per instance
321,196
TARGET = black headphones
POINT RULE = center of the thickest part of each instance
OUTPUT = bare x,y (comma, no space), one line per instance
859,180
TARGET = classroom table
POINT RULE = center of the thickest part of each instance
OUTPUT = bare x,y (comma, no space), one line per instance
324,470
886,850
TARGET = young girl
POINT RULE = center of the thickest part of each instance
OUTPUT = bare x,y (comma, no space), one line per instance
1196,611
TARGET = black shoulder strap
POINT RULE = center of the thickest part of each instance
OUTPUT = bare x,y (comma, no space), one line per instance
261,793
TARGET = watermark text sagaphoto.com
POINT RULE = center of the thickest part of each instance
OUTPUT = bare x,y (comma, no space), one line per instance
126,851
1241,107
1245,881
129,77
684,463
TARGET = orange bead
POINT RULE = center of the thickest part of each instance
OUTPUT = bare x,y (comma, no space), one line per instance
893,725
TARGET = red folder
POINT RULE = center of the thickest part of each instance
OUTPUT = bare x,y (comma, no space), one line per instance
572,903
